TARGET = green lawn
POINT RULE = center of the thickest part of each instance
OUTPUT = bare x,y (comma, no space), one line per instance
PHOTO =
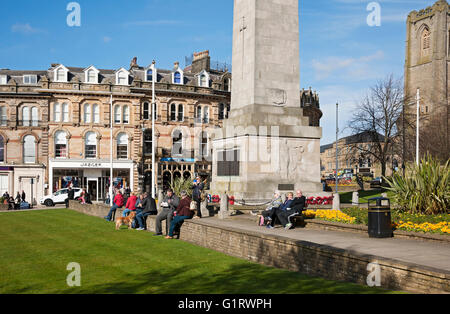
364,196
37,246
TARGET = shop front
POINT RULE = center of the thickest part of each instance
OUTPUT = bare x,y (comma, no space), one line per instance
89,175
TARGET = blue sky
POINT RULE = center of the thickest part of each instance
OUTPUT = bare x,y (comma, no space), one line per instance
341,56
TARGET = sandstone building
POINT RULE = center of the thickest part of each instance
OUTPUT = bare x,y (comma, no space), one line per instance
55,125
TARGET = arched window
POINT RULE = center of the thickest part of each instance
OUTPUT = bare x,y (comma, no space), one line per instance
60,144
203,81
96,110
126,114
150,75
206,115
90,148
26,116
91,76
177,77
180,113
177,145
122,146
2,149
173,112
34,116
117,114
87,113
426,42
29,149
148,142
61,75
3,116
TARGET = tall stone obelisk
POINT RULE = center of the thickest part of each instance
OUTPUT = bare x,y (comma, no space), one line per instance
275,146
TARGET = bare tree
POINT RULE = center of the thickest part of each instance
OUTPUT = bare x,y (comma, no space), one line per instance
377,118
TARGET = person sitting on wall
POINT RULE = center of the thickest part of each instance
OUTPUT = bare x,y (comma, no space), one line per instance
130,205
169,204
285,208
117,203
269,214
183,212
292,207
148,209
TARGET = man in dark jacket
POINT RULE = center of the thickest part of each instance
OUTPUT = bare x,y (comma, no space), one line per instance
70,196
148,209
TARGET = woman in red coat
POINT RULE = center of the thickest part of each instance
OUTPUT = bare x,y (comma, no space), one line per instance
131,205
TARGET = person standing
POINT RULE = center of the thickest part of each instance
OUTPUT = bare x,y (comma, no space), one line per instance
169,204
23,196
70,196
197,194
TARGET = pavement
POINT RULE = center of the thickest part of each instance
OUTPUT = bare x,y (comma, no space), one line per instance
420,253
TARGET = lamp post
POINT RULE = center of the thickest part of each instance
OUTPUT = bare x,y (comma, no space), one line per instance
153,129
337,150
111,200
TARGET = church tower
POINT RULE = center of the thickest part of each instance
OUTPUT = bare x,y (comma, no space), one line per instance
427,69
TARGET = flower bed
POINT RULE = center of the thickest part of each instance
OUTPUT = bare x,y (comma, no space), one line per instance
436,224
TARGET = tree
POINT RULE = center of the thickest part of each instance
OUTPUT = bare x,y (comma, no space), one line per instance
377,118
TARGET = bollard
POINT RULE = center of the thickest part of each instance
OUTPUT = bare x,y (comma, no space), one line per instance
355,199
336,201
204,208
224,213
160,199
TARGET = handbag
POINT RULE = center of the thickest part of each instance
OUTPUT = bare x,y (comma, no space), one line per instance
193,205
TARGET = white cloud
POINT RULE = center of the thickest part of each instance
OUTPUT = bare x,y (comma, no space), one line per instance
25,29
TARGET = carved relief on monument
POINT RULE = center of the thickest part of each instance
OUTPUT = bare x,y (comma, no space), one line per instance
277,97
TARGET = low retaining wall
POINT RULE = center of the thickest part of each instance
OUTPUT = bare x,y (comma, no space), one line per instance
300,256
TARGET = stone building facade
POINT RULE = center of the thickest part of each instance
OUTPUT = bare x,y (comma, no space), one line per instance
55,125
427,68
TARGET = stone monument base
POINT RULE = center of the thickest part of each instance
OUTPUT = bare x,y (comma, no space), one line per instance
267,164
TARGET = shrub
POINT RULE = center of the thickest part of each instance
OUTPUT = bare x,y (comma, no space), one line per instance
182,184
426,190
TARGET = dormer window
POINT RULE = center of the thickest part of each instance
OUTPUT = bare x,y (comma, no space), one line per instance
203,79
3,79
177,78
122,77
61,74
150,75
91,75
30,79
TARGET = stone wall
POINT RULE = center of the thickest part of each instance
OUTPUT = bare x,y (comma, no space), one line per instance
299,256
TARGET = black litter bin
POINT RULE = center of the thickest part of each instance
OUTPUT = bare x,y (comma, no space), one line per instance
380,225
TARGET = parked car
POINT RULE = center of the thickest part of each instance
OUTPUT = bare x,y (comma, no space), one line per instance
59,197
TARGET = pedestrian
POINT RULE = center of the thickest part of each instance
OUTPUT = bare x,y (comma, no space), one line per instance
70,196
197,188
23,196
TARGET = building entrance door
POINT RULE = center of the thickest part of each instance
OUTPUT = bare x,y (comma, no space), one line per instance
93,189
